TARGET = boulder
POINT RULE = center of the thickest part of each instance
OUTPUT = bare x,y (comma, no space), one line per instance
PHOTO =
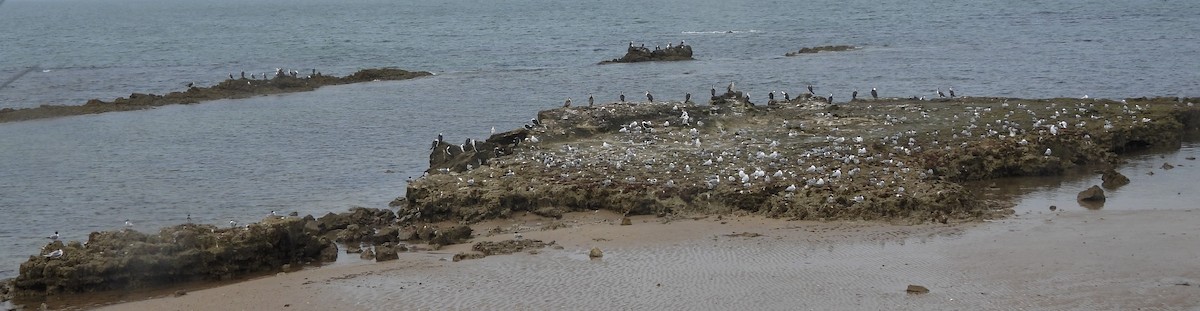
549,212
1094,194
1112,179
595,253
386,252
507,246
455,235
367,254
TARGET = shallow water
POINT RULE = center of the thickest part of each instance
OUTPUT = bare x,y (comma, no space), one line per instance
497,64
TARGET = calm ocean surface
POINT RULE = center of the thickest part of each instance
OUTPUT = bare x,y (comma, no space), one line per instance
497,64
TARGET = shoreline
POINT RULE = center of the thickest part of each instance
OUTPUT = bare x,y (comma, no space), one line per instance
499,224
228,89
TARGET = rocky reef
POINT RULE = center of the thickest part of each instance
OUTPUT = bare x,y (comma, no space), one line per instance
817,49
901,160
130,260
643,54
228,89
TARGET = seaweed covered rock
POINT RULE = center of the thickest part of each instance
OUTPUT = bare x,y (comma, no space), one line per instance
128,259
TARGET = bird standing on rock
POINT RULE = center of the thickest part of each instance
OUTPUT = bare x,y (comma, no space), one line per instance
854,96
810,90
874,94
649,97
786,96
951,92
940,94
771,95
54,236
713,90
829,100
568,103
591,100
622,98
687,97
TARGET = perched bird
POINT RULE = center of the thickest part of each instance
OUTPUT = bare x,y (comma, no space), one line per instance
687,97
55,254
567,104
535,122
939,92
232,223
517,235
1047,152
874,94
829,100
713,91
649,97
230,76
771,95
786,96
440,138
128,224
854,96
591,100
730,88
810,90
622,98
951,92
53,236
190,84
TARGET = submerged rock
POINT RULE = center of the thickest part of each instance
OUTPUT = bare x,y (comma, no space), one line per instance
505,247
1091,194
595,253
816,49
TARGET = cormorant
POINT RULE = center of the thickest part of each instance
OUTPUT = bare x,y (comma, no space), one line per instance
854,96
810,90
687,98
622,98
829,99
440,138
592,100
649,97
786,96
771,95
713,91
230,76
951,92
874,94
243,75
939,92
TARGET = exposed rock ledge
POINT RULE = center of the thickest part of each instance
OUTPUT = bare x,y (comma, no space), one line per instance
232,88
889,159
643,54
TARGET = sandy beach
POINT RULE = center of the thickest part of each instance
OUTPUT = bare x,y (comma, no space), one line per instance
1125,256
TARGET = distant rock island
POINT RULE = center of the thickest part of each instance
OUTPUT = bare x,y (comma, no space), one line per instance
827,48
283,82
643,54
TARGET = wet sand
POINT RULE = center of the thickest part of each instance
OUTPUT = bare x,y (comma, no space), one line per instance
1132,253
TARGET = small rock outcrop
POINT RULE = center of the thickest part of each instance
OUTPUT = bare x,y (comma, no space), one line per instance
916,289
1112,179
643,54
1094,194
